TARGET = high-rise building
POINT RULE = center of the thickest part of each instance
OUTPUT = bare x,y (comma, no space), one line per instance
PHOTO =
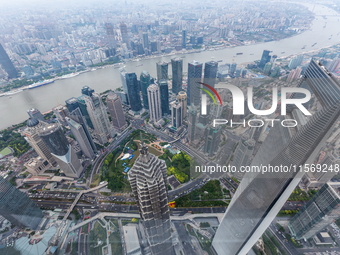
79,134
192,121
87,91
194,77
31,134
176,114
144,84
61,112
164,91
7,64
154,98
317,214
74,103
77,116
264,59
35,114
162,71
17,207
99,118
184,39
295,62
177,73
64,154
259,197
145,40
148,181
115,108
267,68
294,74
133,92
212,140
125,35
110,36
210,73
232,69
182,99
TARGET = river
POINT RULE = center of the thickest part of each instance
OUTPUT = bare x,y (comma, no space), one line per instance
44,98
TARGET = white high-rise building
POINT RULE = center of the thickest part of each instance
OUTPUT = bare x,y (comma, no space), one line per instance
154,99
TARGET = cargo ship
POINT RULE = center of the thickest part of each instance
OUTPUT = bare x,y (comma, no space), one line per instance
240,53
39,84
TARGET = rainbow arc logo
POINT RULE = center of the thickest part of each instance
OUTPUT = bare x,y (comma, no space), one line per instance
210,94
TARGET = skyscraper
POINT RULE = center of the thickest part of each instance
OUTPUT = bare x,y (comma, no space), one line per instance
154,98
194,77
7,64
125,35
210,73
74,103
317,214
162,71
212,140
17,207
31,134
110,36
145,40
177,73
64,154
184,39
182,99
35,114
99,118
148,181
259,197
164,91
79,118
115,108
133,92
176,114
295,62
144,84
78,132
61,112
192,121
265,58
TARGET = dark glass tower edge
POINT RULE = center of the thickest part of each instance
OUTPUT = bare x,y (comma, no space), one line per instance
266,217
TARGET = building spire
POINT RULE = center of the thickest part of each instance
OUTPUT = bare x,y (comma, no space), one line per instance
144,148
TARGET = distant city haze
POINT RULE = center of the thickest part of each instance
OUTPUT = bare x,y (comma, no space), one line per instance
13,110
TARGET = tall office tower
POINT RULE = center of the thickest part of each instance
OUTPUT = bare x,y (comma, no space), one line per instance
133,92
334,65
74,103
154,98
7,64
267,68
177,73
77,116
260,197
232,69
164,91
194,77
110,36
79,133
35,114
87,91
295,62
125,35
31,134
294,74
182,99
145,40
210,73
148,181
64,154
184,39
192,121
212,140
61,112
243,153
115,108
99,117
154,46
265,58
17,207
176,114
162,71
317,214
144,84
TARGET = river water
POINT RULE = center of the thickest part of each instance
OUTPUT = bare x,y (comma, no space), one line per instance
13,110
